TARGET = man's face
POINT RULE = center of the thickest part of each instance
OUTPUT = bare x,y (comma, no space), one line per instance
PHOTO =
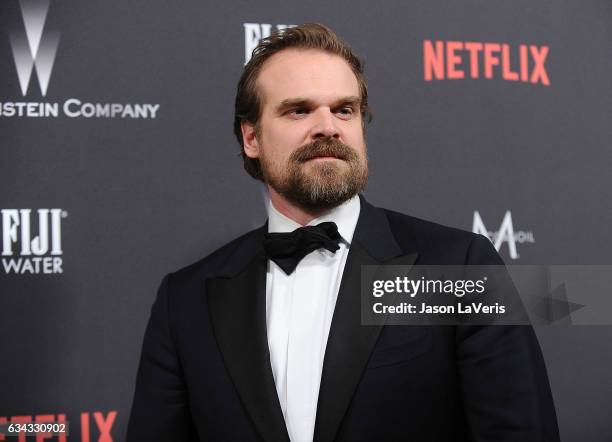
310,138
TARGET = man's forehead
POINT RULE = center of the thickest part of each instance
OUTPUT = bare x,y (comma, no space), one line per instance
297,72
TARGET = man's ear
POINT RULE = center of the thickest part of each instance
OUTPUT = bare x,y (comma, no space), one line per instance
249,139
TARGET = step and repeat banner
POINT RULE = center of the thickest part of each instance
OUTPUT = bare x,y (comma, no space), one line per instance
118,164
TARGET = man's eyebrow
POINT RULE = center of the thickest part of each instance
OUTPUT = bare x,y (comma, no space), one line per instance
290,103
348,101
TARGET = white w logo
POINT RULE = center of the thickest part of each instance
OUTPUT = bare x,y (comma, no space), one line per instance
33,48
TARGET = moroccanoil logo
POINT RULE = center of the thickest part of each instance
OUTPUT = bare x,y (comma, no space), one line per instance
505,234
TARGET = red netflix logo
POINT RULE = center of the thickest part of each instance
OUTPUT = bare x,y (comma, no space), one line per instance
455,60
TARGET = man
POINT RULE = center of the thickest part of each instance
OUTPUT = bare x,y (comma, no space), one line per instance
262,339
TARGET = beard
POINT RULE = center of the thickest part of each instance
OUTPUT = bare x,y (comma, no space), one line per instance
318,184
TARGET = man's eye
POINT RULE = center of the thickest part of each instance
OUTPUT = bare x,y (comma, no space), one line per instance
346,111
298,111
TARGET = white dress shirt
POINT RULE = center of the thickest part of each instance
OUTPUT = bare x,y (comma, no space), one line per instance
299,310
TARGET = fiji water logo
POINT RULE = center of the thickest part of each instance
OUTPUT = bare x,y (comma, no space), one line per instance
32,241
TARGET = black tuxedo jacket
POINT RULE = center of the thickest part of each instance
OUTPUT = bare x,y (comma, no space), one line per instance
205,370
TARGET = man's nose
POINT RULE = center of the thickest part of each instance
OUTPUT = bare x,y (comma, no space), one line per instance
324,125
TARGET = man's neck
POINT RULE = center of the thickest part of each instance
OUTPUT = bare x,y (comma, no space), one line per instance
291,211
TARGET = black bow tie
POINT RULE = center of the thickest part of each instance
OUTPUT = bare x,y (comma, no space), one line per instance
288,249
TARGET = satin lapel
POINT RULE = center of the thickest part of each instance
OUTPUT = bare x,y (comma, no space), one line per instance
350,344
238,313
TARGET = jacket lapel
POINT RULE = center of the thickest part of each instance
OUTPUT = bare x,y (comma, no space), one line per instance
237,305
350,344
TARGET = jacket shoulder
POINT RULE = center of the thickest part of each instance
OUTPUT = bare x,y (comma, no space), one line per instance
214,263
440,244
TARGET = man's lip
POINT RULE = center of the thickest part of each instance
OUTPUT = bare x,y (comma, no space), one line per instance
325,157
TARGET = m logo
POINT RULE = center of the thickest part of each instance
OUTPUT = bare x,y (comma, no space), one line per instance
36,47
505,233
253,32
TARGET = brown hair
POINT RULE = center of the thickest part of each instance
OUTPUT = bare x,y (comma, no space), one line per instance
307,36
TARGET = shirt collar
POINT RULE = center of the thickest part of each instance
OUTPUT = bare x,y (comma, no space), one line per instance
345,216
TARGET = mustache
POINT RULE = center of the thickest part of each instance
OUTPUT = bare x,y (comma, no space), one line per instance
324,148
